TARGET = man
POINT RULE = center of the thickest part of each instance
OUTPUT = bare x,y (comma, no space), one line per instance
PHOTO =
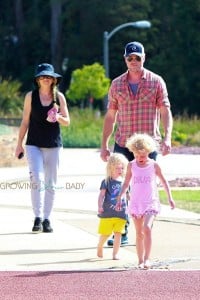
137,100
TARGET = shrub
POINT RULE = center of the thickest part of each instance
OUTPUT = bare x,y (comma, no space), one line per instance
11,101
186,131
85,129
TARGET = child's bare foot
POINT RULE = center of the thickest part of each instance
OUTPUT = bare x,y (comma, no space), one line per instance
147,264
141,265
100,252
116,257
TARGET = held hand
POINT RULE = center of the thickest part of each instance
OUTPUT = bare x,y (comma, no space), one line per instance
100,210
18,151
118,206
105,154
128,196
52,115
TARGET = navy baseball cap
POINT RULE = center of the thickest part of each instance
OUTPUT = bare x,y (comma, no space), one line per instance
135,48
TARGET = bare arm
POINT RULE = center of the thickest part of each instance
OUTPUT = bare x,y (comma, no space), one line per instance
100,200
63,117
24,123
108,127
127,180
165,185
167,122
125,187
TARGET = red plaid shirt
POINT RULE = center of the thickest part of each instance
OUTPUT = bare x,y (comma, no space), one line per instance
138,113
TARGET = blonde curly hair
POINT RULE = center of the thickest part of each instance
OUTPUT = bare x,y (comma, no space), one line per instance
114,160
141,142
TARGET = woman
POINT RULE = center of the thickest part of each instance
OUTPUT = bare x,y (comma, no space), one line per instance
45,109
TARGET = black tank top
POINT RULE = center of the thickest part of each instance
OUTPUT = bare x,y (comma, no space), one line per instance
42,133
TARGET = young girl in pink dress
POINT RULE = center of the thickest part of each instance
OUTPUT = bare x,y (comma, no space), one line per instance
144,202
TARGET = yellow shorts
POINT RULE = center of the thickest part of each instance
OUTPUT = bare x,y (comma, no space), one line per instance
109,225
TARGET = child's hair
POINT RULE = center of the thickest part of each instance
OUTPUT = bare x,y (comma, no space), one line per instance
141,142
114,160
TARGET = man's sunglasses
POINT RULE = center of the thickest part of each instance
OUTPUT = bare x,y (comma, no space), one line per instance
137,58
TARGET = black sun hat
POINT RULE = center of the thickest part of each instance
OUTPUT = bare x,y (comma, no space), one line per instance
48,70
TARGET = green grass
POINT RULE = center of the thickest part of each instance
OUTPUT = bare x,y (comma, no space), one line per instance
4,129
85,129
186,131
184,199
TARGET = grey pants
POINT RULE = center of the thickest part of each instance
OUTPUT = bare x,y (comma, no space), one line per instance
43,168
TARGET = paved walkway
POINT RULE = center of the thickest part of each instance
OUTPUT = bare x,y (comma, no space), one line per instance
72,245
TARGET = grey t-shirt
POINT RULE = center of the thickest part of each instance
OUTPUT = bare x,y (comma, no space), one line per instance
113,188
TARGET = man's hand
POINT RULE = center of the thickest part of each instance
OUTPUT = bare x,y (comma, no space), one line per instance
166,118
105,154
166,147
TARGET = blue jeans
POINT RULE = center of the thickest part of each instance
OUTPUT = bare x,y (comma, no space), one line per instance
129,155
43,169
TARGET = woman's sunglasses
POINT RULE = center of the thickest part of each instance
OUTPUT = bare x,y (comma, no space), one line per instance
137,58
45,77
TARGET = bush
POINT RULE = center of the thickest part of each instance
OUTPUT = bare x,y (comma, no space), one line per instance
11,102
85,129
186,131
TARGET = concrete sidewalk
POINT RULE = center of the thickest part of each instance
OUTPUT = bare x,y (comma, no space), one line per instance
72,245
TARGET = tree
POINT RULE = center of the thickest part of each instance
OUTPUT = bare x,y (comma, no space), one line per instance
87,84
56,9
54,31
19,16
11,102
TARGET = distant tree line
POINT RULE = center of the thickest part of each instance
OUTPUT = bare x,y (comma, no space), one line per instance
69,34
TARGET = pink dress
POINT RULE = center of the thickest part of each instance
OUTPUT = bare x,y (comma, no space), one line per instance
144,193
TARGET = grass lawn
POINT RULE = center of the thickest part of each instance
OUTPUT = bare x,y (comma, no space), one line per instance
185,199
4,129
